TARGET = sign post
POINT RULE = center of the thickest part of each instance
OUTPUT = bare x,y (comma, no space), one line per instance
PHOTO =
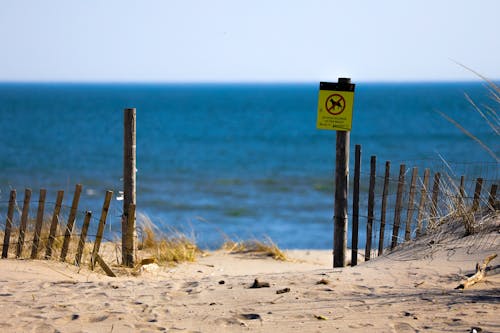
335,105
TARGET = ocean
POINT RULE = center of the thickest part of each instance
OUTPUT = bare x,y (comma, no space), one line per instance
228,161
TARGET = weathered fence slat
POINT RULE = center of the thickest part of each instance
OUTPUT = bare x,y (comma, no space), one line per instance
492,197
38,225
411,208
8,223
24,222
383,209
461,192
399,204
423,200
100,228
355,206
71,221
371,203
53,224
83,236
477,194
435,197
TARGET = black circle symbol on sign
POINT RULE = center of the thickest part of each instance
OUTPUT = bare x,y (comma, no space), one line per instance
335,104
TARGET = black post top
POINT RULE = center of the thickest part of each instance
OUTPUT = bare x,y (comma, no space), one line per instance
343,84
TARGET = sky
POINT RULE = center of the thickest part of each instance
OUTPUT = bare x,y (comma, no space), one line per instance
248,41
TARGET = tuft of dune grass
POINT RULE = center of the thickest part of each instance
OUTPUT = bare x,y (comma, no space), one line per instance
166,249
265,248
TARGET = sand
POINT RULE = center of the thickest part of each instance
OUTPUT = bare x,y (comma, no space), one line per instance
409,290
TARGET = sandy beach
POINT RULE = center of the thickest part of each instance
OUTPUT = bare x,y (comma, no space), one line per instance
409,290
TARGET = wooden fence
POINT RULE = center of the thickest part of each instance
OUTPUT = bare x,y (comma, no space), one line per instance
423,201
36,244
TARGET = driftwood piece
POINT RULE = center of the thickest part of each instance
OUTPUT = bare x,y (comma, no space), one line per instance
104,266
479,275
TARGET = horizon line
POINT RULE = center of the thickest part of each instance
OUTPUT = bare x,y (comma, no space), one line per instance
235,82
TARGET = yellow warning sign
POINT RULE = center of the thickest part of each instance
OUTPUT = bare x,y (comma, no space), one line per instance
335,105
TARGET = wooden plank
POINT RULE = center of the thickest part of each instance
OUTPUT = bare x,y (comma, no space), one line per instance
38,225
83,236
355,206
104,266
398,207
24,223
53,225
129,187
423,200
383,209
8,224
411,199
71,221
477,194
100,228
371,204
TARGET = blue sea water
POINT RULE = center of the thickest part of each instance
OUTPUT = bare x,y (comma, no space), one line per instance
226,160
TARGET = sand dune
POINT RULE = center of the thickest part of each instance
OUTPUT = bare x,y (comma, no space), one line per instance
409,290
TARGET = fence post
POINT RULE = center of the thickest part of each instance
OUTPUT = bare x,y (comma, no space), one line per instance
409,212
341,191
384,207
129,187
100,228
39,222
53,224
8,224
371,199
24,222
397,209
355,206
492,197
435,196
130,255
81,242
477,194
461,193
423,199
71,221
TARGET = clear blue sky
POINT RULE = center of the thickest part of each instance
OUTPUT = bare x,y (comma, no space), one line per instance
258,40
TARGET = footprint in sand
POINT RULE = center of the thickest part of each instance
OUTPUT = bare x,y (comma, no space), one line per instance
98,319
403,328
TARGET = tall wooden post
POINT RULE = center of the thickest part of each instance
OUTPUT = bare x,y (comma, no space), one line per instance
129,187
355,206
341,192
